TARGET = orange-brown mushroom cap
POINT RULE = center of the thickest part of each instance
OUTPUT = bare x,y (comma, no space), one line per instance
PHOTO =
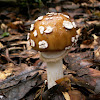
52,32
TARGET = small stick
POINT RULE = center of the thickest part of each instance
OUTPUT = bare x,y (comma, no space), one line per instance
8,58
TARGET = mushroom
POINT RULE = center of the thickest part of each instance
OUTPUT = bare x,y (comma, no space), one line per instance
55,34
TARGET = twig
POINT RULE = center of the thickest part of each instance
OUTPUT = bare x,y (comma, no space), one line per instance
8,58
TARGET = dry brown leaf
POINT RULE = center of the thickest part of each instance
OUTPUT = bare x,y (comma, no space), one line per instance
66,95
76,95
97,54
65,83
1,45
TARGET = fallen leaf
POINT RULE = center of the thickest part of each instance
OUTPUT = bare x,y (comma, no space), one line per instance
66,95
76,95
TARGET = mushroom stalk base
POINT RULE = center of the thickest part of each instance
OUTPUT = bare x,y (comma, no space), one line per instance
54,66
54,72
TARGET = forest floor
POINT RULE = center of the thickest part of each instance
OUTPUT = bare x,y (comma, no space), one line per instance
23,75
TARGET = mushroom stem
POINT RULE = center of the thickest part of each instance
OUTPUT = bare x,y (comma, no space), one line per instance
54,66
54,72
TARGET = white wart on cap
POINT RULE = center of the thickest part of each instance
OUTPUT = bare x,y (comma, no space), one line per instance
39,18
43,44
32,43
41,28
67,24
32,27
49,29
74,25
35,33
28,36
